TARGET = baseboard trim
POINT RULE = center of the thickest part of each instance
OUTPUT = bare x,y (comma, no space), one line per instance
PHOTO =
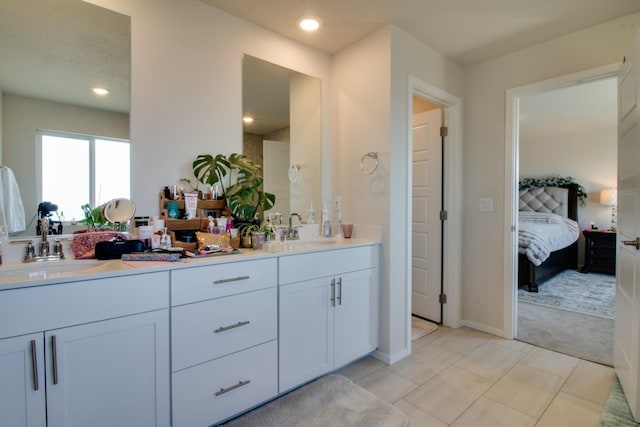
483,328
390,359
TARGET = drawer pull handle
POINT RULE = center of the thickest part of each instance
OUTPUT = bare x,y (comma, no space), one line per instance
339,291
232,279
233,387
34,365
226,328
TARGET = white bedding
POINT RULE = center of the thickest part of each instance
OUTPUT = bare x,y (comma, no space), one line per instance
540,233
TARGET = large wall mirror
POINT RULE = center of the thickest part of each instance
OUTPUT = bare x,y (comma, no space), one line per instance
285,133
53,53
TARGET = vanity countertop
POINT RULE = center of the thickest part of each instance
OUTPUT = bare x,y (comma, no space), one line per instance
22,275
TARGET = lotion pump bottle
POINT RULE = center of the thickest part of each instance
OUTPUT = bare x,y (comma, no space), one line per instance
326,223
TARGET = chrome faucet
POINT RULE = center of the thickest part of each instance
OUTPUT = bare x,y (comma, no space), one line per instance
291,215
43,247
292,232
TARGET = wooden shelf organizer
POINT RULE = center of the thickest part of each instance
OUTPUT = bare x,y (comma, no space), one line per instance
200,222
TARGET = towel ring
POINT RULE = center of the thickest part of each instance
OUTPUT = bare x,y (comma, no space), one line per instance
368,170
294,173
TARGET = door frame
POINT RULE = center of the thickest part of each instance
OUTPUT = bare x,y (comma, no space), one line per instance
510,314
452,233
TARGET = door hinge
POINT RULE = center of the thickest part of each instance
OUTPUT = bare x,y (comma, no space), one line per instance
444,131
443,298
443,215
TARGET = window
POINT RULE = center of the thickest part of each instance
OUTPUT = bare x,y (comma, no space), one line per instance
80,169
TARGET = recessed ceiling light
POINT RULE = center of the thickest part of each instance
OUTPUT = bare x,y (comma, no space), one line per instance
309,23
100,91
247,119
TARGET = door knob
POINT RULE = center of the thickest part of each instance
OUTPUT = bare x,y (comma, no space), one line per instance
635,242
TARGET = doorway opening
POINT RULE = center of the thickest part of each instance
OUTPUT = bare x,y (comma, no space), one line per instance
449,263
558,131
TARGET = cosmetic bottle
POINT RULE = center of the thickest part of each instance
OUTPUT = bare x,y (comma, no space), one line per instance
311,217
326,223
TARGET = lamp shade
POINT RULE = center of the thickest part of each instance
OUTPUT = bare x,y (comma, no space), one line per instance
609,197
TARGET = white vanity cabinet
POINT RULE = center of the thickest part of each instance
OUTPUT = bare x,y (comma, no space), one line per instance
223,339
98,354
328,306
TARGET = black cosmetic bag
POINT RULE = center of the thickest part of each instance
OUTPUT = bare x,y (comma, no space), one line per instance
115,249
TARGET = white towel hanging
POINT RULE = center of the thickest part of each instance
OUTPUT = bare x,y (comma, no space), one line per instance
11,208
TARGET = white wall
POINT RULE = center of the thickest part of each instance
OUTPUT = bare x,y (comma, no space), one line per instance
370,113
186,86
484,162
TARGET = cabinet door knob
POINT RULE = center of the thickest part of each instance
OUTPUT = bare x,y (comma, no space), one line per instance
635,242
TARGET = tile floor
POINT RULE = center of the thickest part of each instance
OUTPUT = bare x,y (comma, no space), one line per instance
462,377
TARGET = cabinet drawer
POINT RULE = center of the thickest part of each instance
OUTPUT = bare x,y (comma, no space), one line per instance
220,280
55,306
210,329
211,392
307,266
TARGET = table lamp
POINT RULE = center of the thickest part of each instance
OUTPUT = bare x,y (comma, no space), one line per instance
609,197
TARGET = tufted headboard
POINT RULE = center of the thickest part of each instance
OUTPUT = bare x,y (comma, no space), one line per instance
559,200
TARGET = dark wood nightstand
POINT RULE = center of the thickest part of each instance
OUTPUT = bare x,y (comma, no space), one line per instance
599,252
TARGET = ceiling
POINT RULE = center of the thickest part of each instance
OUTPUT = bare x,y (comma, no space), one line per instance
466,31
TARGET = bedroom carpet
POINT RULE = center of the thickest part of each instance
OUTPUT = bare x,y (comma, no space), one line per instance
571,290
333,400
580,335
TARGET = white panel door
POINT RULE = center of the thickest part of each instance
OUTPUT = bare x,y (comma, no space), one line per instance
22,397
627,318
354,316
426,233
109,373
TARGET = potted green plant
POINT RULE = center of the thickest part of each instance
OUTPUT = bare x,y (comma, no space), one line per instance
94,217
241,181
247,235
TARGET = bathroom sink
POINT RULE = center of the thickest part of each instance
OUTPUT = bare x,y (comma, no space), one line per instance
50,269
309,242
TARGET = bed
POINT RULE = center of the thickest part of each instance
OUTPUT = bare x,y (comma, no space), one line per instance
557,206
